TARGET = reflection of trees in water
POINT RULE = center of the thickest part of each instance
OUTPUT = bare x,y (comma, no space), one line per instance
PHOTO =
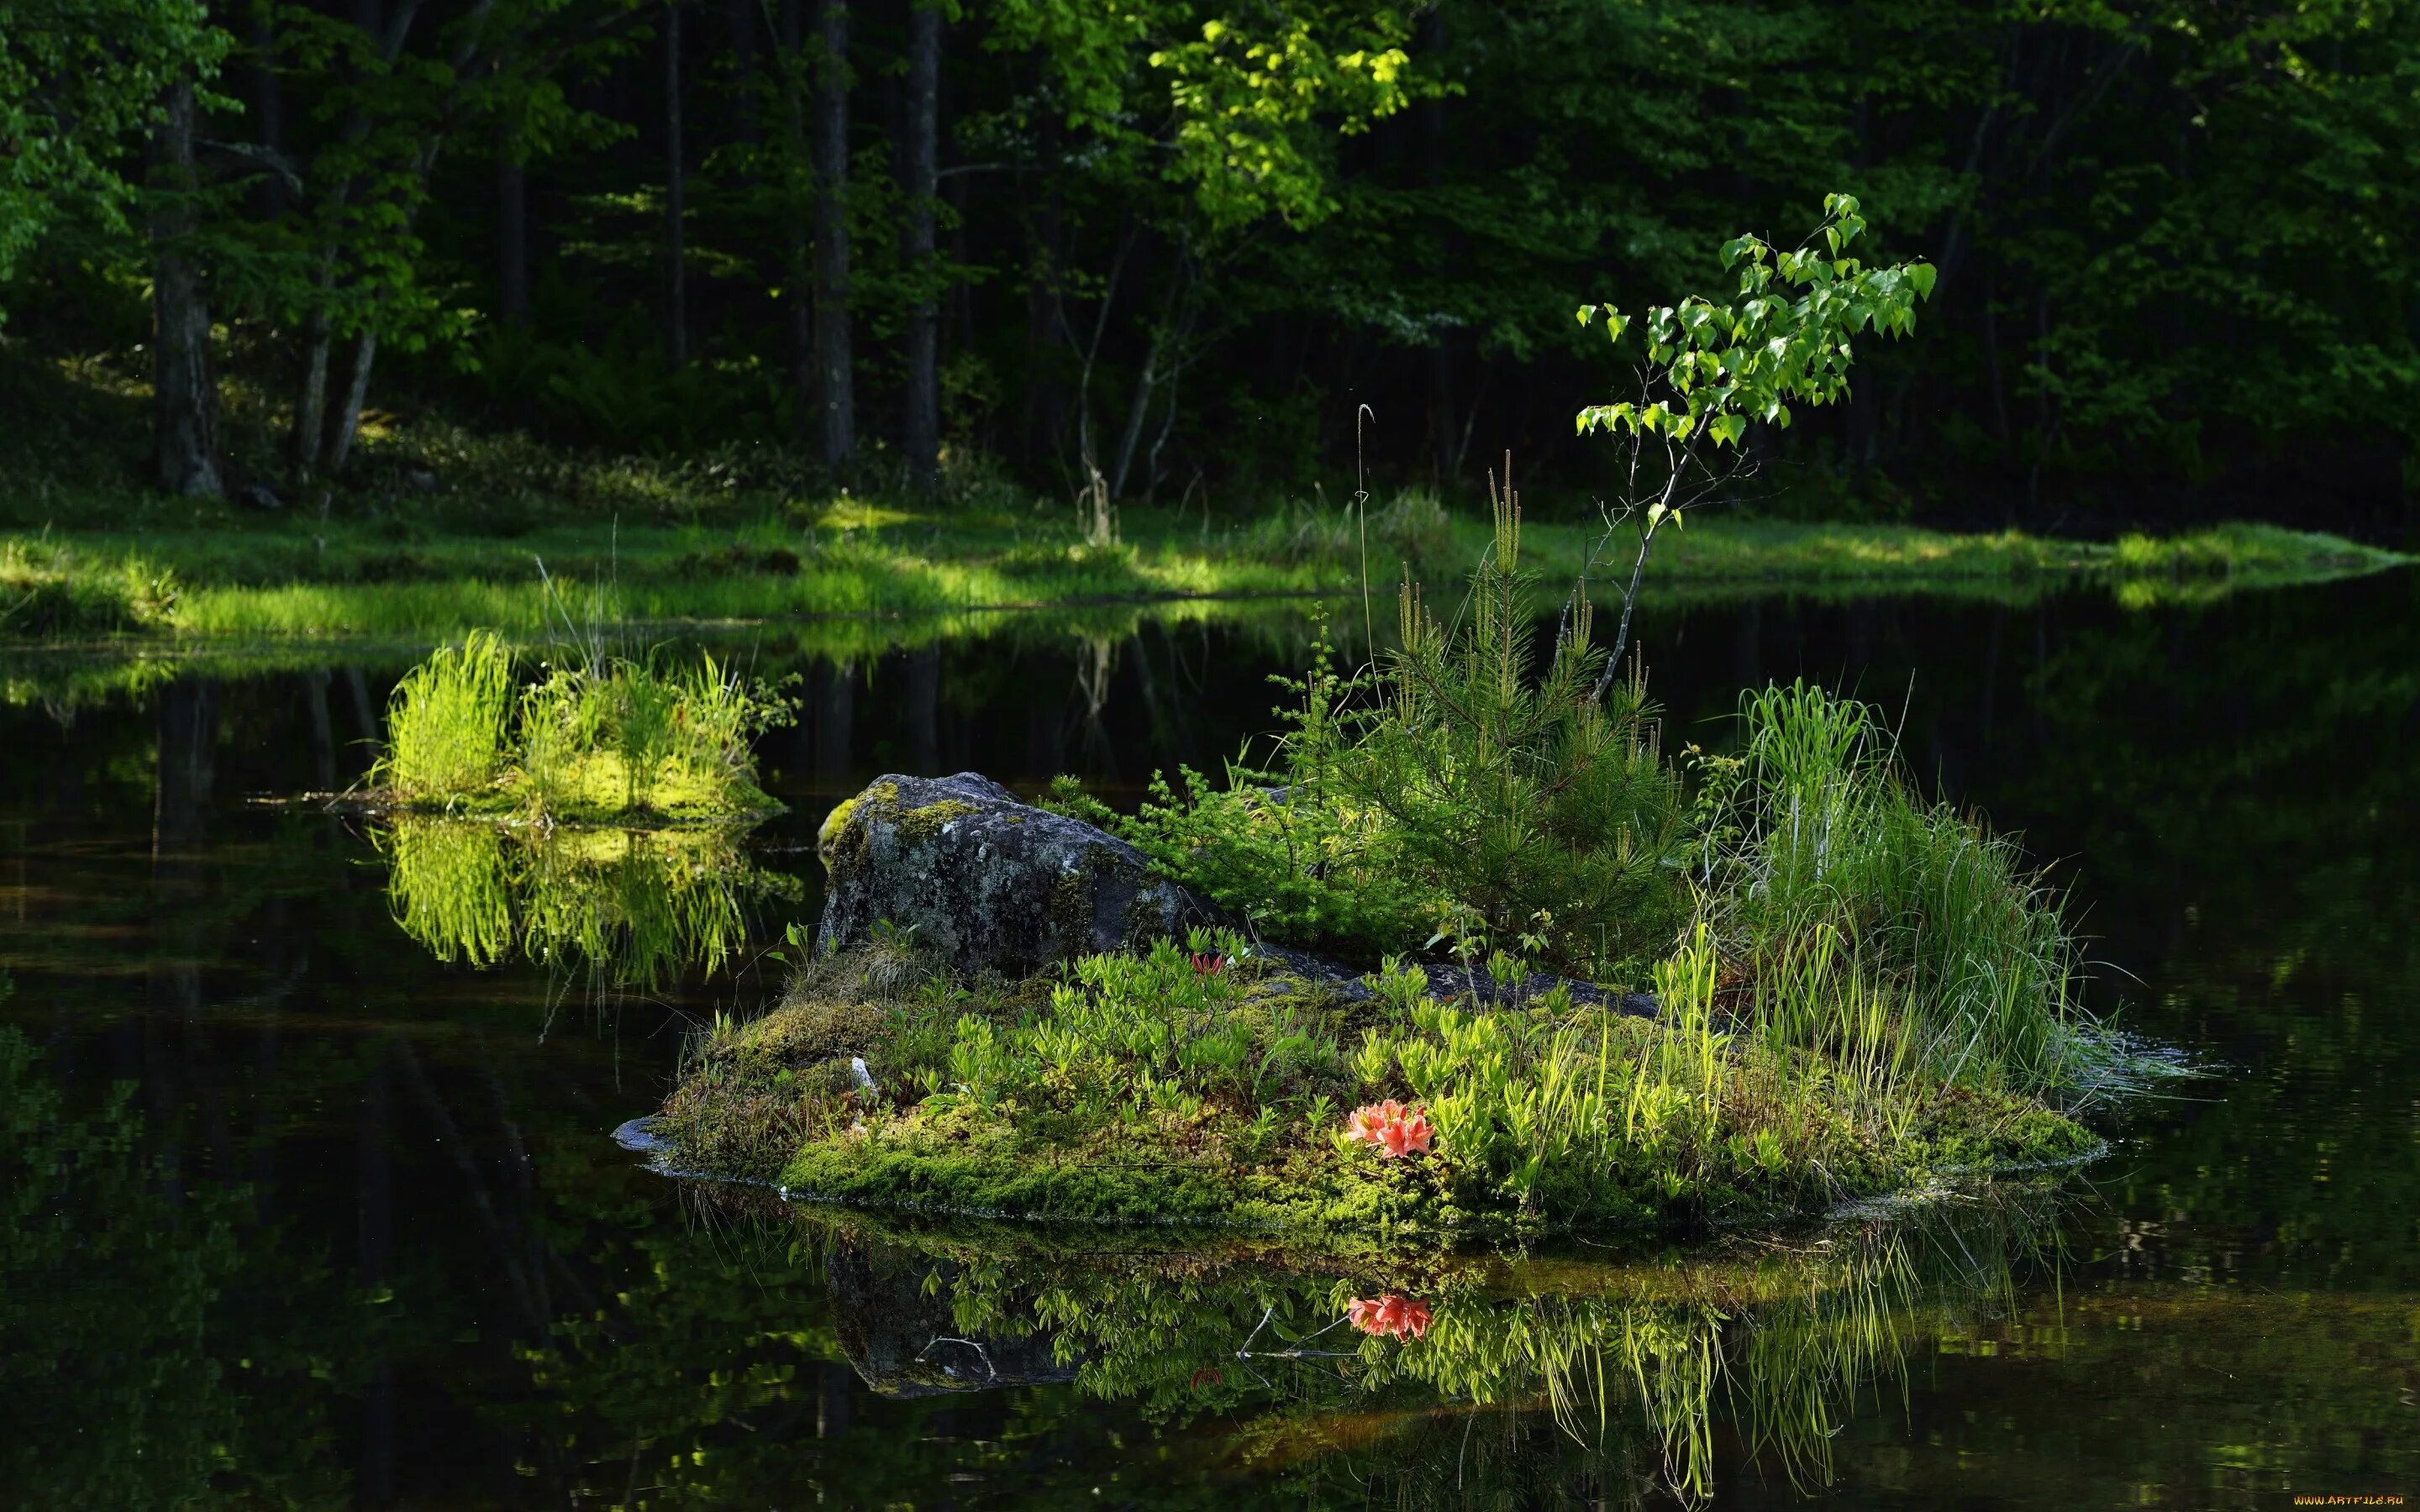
1575,1379
139,1318
633,907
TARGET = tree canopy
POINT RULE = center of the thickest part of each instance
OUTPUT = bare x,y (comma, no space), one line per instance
1151,246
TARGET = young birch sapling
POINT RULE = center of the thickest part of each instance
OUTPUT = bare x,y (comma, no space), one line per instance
1712,370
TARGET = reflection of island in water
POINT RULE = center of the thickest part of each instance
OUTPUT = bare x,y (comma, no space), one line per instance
635,907
1591,1373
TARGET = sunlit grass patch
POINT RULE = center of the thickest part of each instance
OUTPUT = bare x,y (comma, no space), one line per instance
609,739
49,588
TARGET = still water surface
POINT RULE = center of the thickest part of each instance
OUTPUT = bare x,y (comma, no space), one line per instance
345,1226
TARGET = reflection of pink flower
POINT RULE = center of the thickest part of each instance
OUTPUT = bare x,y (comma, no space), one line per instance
1395,1129
1391,1316
1208,964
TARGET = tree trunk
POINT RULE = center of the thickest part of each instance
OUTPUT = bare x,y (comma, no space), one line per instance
788,52
185,400
512,233
268,115
921,424
676,251
348,418
1046,398
835,388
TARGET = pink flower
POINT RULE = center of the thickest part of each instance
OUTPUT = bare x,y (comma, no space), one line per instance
1392,1316
1208,964
1396,1130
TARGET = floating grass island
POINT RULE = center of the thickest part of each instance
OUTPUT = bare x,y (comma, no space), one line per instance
606,740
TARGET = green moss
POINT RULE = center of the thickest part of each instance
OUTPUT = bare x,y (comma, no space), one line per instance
1139,1089
922,824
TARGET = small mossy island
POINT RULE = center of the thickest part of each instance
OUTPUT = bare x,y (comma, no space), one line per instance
602,740
1471,958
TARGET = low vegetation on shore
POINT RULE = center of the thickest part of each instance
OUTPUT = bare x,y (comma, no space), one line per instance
266,580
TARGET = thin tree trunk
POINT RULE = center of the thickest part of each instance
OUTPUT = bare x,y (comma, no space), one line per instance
512,233
836,395
185,400
311,404
790,43
348,418
675,185
921,424
268,115
1157,364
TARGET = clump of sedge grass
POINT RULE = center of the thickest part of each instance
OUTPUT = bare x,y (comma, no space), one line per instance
614,739
1861,913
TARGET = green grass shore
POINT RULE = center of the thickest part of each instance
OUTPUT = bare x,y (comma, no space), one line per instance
240,576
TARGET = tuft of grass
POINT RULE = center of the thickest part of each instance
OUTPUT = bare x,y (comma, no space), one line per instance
447,722
1861,913
613,740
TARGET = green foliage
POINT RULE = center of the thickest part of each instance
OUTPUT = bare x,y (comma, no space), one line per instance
80,81
609,739
1713,368
1289,847
1487,798
1533,796
1199,1084
1844,894
1248,98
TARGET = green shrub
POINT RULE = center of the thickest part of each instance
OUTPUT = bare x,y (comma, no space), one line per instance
1541,805
1286,846
1483,799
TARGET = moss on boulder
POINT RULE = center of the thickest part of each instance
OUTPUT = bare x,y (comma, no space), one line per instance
986,881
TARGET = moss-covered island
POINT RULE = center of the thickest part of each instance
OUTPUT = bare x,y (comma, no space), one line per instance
1657,994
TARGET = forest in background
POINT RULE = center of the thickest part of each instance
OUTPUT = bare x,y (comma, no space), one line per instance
1169,250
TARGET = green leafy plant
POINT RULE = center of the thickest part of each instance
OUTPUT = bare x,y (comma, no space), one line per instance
1287,846
1711,370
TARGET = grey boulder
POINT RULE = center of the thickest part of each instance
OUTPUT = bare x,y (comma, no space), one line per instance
986,881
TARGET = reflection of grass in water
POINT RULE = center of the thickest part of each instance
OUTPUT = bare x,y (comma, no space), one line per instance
637,907
1634,1365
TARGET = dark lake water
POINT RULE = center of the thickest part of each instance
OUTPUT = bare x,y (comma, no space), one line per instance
345,1224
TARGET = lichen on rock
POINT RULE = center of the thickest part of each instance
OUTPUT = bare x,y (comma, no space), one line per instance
986,881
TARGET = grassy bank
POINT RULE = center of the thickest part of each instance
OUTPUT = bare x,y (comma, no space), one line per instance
249,576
